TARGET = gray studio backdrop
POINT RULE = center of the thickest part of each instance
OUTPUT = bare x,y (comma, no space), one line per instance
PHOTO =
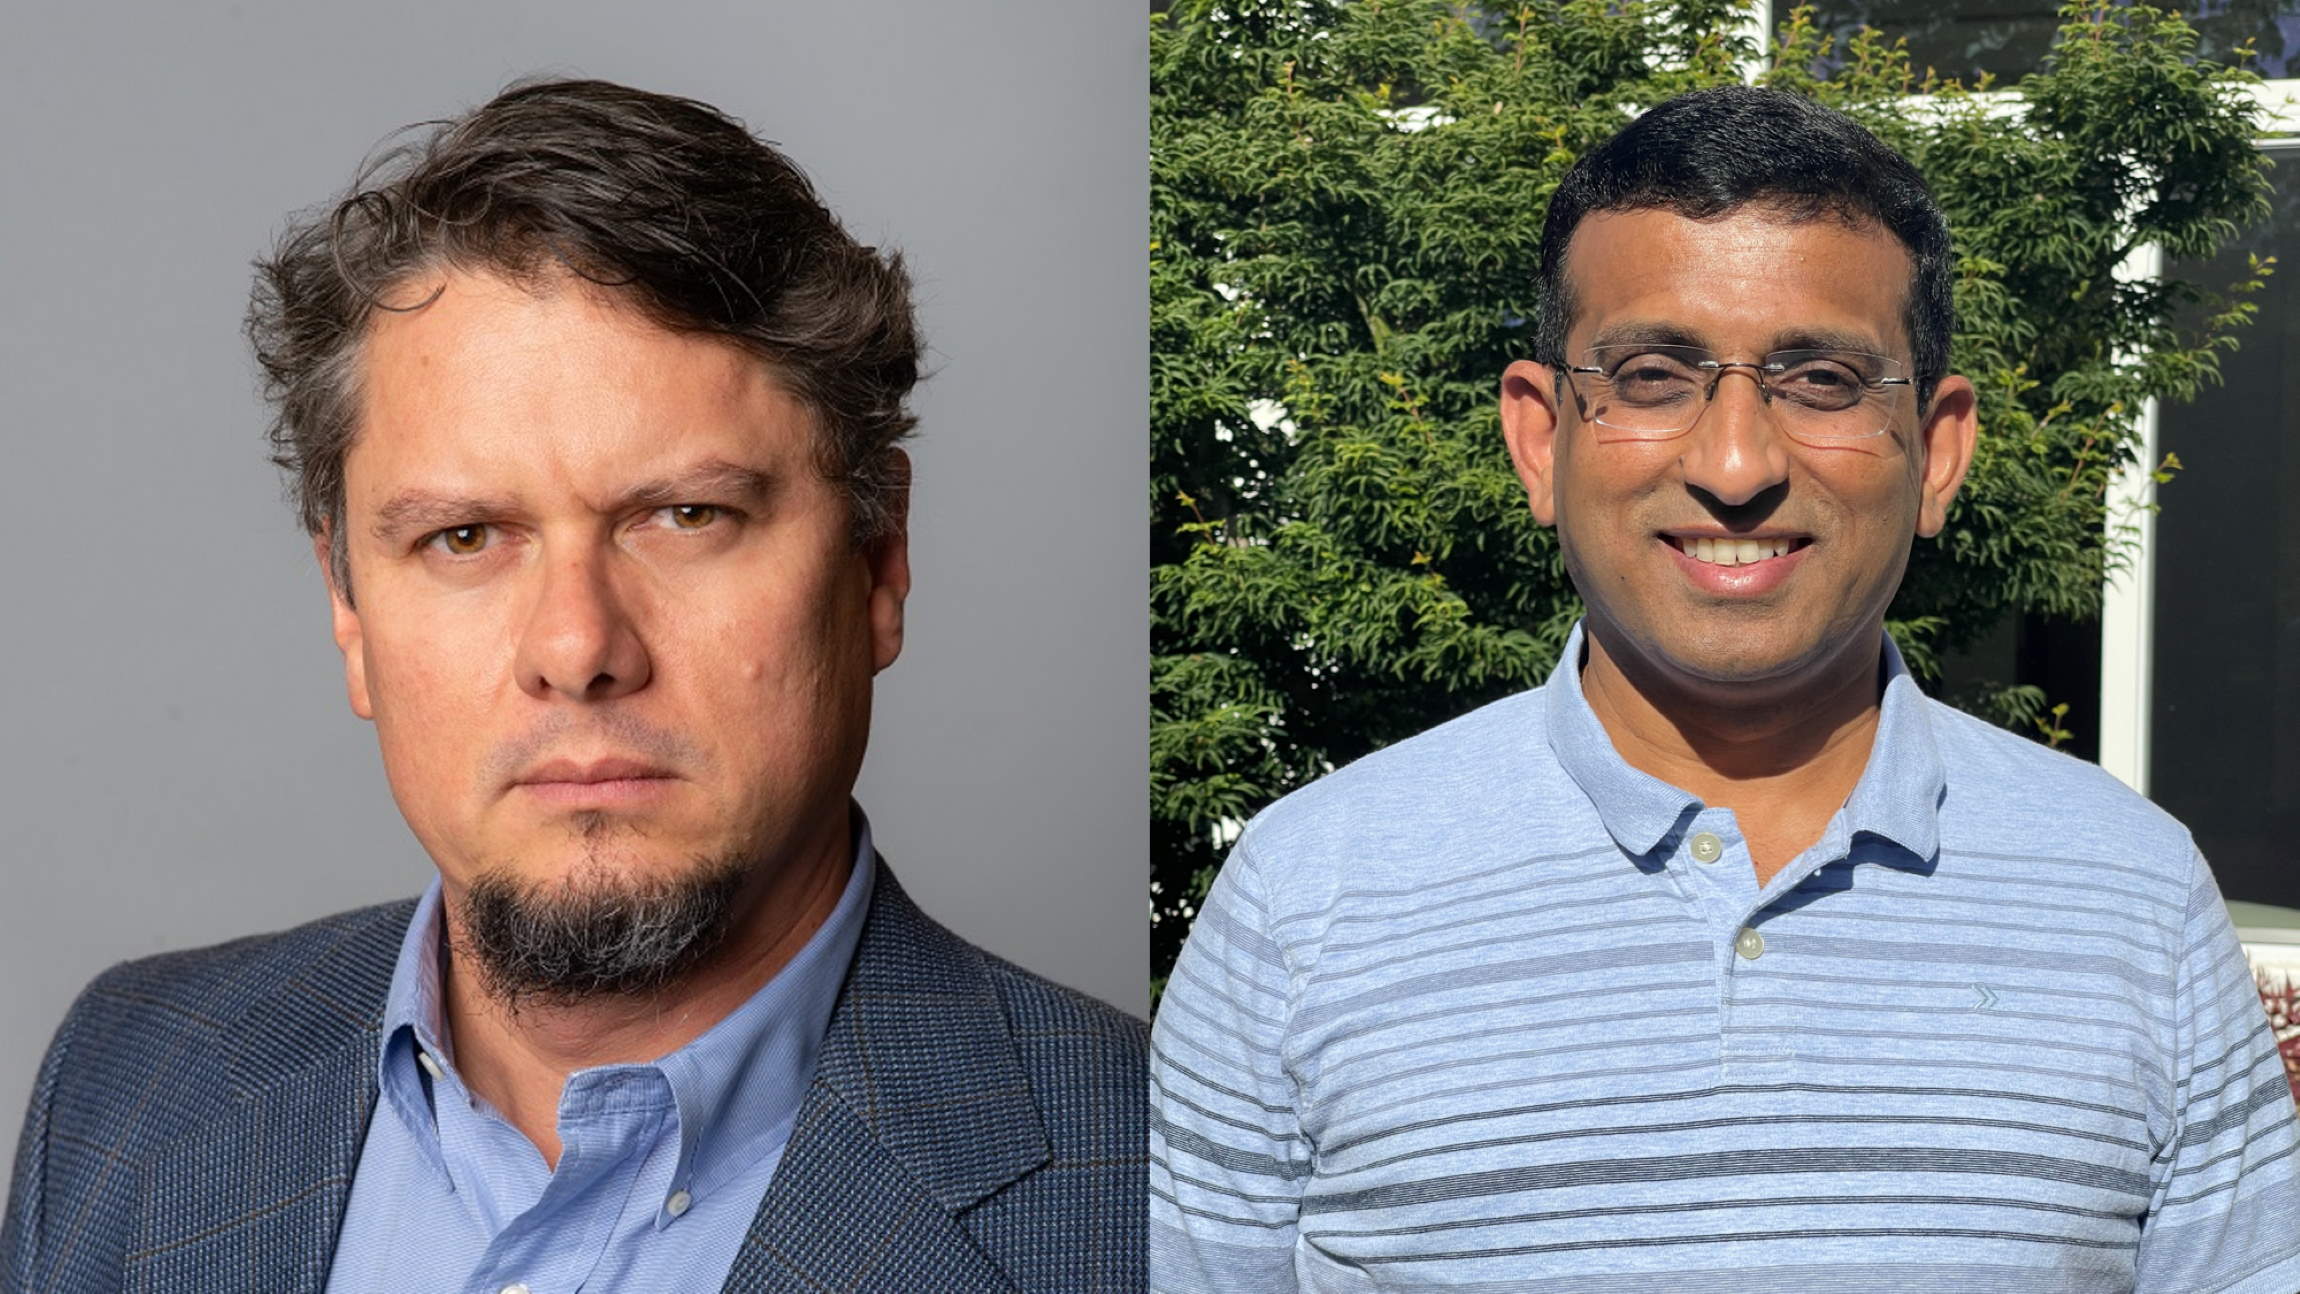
177,765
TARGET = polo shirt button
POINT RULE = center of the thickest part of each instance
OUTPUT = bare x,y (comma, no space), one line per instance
1750,945
1707,848
679,1202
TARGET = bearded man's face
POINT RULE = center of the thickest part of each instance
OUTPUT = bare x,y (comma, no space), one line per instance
610,621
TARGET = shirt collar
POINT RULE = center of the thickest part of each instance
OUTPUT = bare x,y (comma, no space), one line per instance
736,1086
741,1083
1898,797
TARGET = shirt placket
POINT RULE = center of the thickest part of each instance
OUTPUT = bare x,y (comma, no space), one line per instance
609,1125
1757,951
1739,917
1712,864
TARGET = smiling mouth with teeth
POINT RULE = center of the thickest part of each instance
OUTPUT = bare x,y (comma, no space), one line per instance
1733,552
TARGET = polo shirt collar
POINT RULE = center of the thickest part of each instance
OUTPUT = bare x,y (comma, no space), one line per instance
1639,810
1898,797
1900,792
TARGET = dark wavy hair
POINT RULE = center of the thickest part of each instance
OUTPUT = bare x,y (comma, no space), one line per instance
1715,151
669,202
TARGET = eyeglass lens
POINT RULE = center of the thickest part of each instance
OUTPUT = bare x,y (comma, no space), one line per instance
1655,391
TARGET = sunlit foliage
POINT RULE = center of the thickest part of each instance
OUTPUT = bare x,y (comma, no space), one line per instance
1346,203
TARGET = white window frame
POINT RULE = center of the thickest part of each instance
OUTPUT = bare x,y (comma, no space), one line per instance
2128,600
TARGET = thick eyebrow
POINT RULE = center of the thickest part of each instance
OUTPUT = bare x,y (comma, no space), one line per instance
1830,339
712,480
411,511
1641,332
1644,332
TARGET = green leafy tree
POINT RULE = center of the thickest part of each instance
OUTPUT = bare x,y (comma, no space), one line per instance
1347,198
2002,38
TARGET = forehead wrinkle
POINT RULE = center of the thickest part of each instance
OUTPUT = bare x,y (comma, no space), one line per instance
610,353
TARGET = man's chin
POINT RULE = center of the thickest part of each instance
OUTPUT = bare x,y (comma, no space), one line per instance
1734,653
604,924
570,845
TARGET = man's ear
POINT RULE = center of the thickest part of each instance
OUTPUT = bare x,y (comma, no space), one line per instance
887,559
1530,418
1945,436
348,638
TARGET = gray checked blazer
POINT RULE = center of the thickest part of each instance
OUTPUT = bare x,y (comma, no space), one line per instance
970,1126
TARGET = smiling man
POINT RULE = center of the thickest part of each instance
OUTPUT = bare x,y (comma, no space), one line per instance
592,412
1725,960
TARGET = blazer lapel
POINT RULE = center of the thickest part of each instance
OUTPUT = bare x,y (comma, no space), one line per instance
253,1198
919,1109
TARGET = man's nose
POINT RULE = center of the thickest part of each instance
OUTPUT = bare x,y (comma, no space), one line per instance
1735,451
579,641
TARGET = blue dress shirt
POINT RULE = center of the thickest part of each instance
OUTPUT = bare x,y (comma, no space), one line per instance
661,1165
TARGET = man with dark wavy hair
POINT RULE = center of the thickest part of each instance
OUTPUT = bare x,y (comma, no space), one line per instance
592,412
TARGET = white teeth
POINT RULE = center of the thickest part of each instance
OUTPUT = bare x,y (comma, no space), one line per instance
1734,552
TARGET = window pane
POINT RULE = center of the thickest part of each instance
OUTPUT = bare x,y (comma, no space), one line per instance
2225,750
2008,38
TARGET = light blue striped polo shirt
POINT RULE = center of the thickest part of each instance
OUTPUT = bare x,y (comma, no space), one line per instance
1491,1010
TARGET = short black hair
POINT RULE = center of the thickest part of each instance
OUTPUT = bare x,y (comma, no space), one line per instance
1710,152
669,202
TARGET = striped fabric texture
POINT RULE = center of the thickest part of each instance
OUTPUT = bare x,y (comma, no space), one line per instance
1491,1010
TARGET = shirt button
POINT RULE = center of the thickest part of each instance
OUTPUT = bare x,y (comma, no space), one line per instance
515,1287
679,1202
1707,848
1750,944
430,1066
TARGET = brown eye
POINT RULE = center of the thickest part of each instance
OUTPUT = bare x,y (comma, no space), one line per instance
463,541
692,516
1821,384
